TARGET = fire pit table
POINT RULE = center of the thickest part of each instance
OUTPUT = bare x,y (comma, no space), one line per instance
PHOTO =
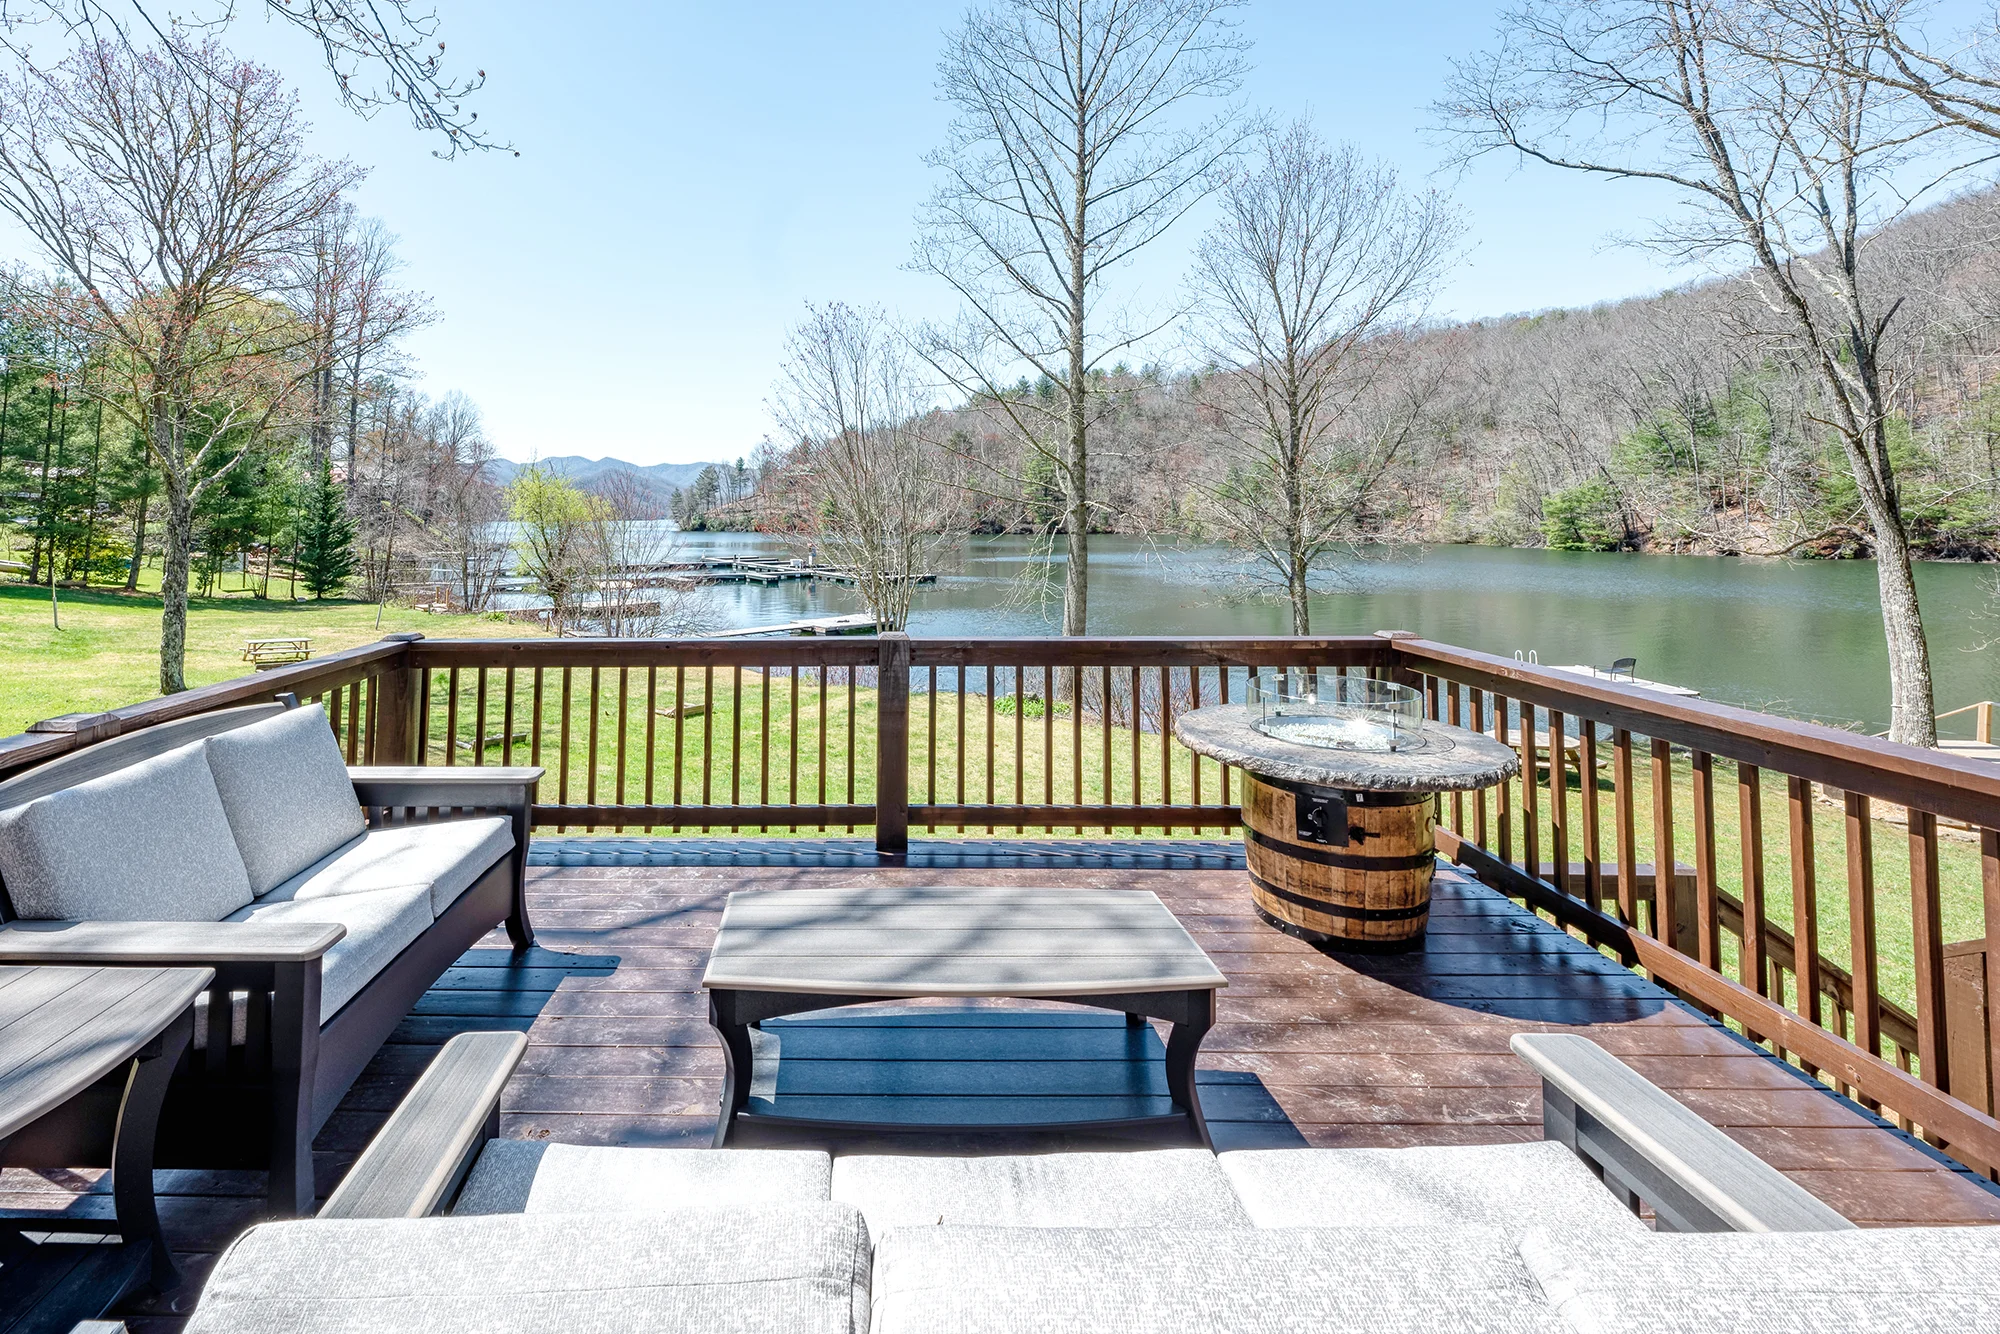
1338,777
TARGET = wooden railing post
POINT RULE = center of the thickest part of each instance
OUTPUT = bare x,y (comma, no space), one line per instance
396,716
892,745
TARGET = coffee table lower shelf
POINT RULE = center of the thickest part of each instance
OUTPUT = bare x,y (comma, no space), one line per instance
733,1011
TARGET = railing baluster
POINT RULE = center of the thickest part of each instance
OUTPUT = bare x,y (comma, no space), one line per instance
652,729
1166,741
1708,920
1989,884
707,742
852,673
507,722
1076,737
1531,833
479,721
451,716
1503,812
1861,923
1048,740
590,747
959,759
680,732
1625,833
1805,901
992,730
1593,840
1927,919
624,725
1559,801
1477,723
764,738
1104,711
1667,906
1753,960
562,746
1222,697
1454,716
535,722
1020,741
736,741
1137,780
1194,759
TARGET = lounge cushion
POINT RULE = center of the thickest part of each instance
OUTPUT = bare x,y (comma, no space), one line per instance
537,1177
976,1280
149,842
1510,1186
801,1269
1179,1188
380,925
1916,1280
284,785
444,856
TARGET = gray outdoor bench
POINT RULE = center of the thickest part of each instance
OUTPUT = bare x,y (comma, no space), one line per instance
326,899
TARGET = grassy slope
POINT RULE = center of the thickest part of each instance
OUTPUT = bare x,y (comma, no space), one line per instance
107,652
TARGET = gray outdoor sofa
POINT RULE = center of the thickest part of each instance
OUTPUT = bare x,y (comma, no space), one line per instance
326,899
441,1226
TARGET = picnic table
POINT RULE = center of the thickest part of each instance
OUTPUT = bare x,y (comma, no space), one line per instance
276,652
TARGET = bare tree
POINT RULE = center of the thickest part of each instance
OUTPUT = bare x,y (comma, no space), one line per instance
1783,157
633,593
381,53
875,500
1317,253
177,206
1070,153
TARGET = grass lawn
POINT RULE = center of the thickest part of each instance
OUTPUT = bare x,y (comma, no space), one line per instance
108,651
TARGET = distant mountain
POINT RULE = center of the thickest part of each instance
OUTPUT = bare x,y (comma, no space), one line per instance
591,473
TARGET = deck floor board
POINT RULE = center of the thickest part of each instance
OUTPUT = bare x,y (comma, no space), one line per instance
1310,1048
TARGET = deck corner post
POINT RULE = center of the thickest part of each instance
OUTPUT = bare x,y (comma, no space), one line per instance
396,716
892,745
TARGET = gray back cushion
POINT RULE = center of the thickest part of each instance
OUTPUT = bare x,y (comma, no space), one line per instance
1913,1280
801,1269
147,843
284,784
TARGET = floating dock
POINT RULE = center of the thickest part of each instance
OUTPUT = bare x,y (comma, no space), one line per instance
1599,674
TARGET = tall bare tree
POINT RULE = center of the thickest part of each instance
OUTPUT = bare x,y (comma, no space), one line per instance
1316,256
1784,152
875,500
632,542
178,205
1074,147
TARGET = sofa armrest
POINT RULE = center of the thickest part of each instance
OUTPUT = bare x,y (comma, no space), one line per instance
1649,1147
470,785
417,1162
166,942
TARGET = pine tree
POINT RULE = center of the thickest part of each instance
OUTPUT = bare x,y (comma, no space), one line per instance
326,536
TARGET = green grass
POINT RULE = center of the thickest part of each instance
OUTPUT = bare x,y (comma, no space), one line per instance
108,650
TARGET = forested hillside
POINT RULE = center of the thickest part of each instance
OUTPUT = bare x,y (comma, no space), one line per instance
1660,424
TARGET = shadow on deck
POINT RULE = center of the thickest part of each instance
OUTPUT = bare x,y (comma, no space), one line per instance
1310,1048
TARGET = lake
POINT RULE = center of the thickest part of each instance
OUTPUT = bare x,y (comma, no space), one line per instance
1802,638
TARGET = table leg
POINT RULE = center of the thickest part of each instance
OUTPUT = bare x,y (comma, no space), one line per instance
1134,1020
132,1146
1183,1044
736,1062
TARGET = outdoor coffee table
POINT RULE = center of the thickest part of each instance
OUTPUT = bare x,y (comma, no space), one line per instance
781,952
62,1030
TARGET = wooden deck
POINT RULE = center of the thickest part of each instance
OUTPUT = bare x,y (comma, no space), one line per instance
1309,1050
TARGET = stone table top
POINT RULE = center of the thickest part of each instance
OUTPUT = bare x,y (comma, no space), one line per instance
1452,759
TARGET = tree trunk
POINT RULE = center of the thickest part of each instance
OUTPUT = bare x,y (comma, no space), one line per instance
138,547
1301,609
1076,477
174,588
1912,705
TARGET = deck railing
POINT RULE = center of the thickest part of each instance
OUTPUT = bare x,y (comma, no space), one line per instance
1639,823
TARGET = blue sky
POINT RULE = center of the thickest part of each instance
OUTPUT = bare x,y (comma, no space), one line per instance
691,174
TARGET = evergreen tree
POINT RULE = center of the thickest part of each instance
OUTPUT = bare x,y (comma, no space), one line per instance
326,536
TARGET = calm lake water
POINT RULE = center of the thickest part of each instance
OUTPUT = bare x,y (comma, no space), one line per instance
1802,638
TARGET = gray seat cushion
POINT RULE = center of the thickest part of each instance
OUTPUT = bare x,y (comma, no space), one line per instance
284,785
1510,1186
1913,1280
801,1269
380,925
971,1280
149,842
1180,1188
537,1177
445,856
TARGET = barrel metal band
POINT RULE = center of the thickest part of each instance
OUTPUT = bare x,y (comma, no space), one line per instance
1351,861
1340,909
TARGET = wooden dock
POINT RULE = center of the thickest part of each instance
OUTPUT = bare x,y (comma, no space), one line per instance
859,623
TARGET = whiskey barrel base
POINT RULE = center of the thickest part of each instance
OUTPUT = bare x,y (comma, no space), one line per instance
1364,884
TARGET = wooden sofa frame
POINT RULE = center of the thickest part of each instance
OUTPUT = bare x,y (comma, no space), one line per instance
259,1103
1644,1145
